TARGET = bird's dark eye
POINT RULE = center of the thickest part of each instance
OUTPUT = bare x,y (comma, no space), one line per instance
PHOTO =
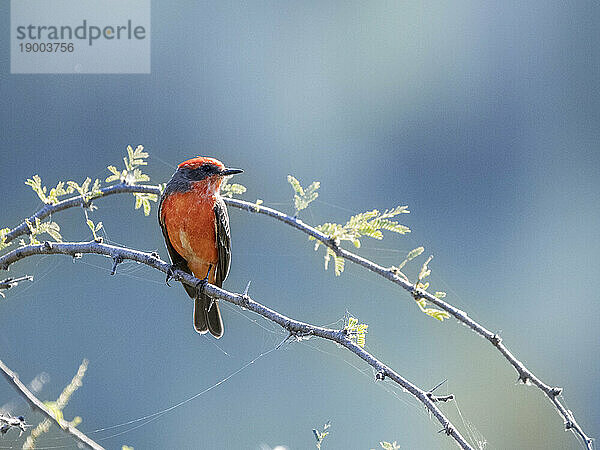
202,172
21,418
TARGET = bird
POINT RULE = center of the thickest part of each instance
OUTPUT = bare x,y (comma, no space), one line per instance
195,224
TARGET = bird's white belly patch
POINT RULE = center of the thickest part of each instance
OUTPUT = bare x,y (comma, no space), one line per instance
185,242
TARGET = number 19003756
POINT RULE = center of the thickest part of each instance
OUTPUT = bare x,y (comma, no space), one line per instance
46,47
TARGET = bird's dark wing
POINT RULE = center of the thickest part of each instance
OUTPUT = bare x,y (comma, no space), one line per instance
223,236
177,260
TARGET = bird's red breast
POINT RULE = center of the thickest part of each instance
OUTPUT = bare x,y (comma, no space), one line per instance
190,222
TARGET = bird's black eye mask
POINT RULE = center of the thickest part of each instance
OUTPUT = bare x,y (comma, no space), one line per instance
200,173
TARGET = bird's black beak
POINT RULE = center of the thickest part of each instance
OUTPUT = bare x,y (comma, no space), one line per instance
227,172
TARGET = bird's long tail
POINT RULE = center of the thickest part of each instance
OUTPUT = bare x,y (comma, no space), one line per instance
207,316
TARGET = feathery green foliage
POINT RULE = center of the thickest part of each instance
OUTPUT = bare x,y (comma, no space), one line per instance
389,446
57,407
229,190
357,332
37,228
132,174
84,190
3,233
143,200
369,224
51,198
303,197
432,312
321,435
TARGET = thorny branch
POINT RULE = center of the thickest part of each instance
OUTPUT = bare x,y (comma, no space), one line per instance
36,404
524,374
295,327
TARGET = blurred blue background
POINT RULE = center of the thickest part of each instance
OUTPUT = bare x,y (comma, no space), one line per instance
484,118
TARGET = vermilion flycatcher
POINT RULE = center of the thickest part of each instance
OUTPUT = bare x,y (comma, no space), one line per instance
195,224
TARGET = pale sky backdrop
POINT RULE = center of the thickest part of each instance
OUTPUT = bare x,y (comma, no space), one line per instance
484,118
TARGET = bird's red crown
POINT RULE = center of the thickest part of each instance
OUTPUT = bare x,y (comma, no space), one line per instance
200,160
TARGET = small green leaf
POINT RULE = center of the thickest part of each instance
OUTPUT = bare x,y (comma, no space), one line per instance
3,233
229,190
143,200
414,253
85,187
76,421
116,175
146,207
56,412
339,265
425,272
138,176
302,198
295,185
36,184
411,255
356,331
96,187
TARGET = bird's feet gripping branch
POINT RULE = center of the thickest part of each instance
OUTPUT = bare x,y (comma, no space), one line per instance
201,285
170,273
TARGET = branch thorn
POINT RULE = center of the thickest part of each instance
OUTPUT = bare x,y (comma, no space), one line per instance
116,261
245,294
438,385
170,274
556,391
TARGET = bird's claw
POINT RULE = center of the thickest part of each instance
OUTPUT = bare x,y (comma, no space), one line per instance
201,285
170,274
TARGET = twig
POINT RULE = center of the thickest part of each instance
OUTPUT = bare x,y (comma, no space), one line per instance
36,404
295,327
9,283
524,374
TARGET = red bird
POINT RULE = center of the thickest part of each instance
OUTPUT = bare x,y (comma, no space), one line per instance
195,224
